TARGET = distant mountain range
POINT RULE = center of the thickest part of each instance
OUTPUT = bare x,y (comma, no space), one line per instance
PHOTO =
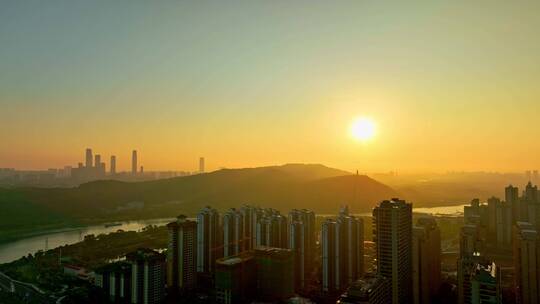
312,186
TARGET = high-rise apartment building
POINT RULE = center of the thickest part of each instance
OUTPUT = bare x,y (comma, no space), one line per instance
426,260
115,280
251,216
392,234
233,232
147,276
486,284
470,247
352,247
297,243
526,263
236,278
275,278
182,255
208,239
302,243
511,196
342,252
330,256
272,230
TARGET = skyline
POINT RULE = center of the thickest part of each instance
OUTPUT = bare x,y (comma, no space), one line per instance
448,85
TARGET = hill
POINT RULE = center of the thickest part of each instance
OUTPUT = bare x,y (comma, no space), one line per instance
316,187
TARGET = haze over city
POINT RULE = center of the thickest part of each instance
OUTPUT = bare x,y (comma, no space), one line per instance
241,152
448,85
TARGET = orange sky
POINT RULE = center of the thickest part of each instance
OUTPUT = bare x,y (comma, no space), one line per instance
451,86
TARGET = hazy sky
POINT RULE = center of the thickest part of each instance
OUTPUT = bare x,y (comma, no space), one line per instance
451,85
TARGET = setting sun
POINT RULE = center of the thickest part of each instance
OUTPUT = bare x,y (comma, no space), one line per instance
363,129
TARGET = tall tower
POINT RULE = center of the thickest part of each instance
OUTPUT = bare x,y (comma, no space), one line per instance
469,247
302,244
392,223
182,255
527,269
134,162
208,244
426,260
342,251
330,256
88,163
251,216
511,196
113,165
352,248
201,165
97,161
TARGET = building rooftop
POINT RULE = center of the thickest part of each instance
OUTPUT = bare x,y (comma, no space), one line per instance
362,288
112,267
235,259
273,252
394,203
181,220
144,254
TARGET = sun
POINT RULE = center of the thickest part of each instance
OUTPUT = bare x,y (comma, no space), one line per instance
363,129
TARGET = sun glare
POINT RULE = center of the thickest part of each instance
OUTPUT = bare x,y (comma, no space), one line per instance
363,129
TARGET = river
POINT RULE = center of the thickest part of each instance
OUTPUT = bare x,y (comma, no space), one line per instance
16,249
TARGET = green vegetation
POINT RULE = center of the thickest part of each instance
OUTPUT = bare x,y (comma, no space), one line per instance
45,269
30,210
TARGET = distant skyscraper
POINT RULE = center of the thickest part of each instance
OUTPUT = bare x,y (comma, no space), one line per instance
426,260
113,165
531,193
89,163
233,232
182,255
147,276
208,240
511,196
134,162
201,165
392,223
97,160
526,263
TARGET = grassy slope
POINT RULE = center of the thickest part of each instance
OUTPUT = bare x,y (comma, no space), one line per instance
292,186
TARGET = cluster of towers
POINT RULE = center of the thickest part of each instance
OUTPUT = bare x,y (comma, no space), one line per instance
499,230
257,253
407,258
94,168
196,246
